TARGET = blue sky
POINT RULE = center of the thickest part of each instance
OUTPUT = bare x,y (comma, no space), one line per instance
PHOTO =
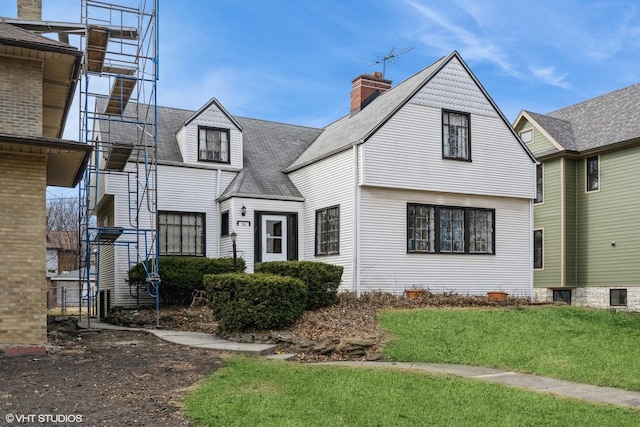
293,61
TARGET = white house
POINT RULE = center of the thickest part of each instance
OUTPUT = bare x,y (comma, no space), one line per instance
424,184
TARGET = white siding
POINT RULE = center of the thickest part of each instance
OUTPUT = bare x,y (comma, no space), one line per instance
323,184
245,241
180,189
407,151
386,265
106,274
180,138
211,117
453,88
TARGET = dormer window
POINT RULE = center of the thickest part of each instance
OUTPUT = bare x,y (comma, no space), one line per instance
526,136
213,145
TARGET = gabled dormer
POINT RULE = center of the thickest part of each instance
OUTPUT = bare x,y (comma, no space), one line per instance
545,135
211,137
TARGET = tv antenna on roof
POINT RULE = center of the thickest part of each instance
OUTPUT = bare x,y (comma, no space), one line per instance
390,56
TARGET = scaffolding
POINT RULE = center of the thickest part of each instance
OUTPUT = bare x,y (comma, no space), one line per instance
118,117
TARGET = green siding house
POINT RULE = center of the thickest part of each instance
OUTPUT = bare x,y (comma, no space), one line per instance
587,210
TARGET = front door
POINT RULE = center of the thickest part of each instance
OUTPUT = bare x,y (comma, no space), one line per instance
274,237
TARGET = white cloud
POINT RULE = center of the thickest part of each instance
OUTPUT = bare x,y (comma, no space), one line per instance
549,76
446,36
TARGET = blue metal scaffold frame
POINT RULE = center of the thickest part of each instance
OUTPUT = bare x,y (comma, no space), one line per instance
118,116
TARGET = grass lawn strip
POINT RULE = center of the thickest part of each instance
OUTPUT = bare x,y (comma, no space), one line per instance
599,347
253,392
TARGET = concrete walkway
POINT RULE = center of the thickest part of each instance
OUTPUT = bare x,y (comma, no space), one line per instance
192,339
586,392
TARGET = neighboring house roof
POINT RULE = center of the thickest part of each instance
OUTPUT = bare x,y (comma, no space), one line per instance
14,36
595,123
606,119
60,64
74,276
62,240
560,130
61,72
67,160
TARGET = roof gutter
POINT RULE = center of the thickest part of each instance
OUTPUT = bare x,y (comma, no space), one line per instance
73,84
258,196
324,156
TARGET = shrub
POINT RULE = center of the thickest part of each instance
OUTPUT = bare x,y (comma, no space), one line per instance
322,279
180,276
242,302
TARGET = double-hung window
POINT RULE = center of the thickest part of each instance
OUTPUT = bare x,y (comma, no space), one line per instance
452,230
213,145
539,183
181,233
224,223
593,173
447,229
480,231
456,142
328,231
421,225
538,239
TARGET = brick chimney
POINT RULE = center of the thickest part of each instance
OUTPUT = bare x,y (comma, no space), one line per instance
365,88
30,10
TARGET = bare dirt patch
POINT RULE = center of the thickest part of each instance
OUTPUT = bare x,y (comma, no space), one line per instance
111,378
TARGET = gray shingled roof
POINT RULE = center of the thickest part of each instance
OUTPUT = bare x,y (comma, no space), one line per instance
559,129
273,149
268,148
598,122
356,128
124,133
14,36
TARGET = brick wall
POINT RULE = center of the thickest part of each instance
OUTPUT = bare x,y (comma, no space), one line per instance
23,309
20,97
31,10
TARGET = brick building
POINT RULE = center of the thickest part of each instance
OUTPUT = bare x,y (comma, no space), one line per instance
38,78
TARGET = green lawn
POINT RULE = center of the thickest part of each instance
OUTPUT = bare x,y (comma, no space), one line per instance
253,392
592,346
599,347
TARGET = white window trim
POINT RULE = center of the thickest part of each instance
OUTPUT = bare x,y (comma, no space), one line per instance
586,175
543,182
527,131
534,248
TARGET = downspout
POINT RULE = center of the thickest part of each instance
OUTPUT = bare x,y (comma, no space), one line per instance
355,270
218,178
563,224
531,251
354,257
